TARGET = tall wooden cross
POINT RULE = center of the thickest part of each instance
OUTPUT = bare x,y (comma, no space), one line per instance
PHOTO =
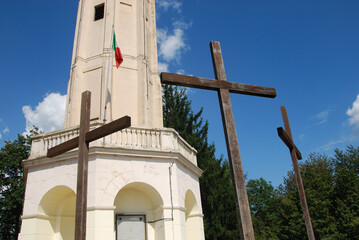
223,88
82,142
287,138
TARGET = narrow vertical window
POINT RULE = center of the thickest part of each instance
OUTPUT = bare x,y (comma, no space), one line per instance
99,11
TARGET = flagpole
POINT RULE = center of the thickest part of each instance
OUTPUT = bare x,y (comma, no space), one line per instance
108,75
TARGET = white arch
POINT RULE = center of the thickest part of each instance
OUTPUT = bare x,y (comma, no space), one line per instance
56,213
194,221
142,198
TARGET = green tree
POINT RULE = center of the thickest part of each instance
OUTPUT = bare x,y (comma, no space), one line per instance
346,192
12,185
318,179
264,203
317,176
331,188
216,186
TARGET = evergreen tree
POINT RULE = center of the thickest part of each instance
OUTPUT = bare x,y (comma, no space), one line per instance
331,186
264,204
12,185
216,187
346,193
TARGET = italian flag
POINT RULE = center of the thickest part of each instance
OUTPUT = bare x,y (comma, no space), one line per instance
118,55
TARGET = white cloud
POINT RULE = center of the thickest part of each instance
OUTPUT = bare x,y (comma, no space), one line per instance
48,114
331,145
172,40
166,4
353,114
171,46
323,116
180,71
162,67
302,137
161,35
181,24
5,130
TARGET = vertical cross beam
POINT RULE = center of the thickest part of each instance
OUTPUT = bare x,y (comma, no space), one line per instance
293,154
82,168
82,142
238,180
223,87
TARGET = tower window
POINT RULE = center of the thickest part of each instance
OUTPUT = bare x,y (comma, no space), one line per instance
99,11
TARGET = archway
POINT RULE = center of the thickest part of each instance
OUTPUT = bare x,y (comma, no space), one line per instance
56,214
139,203
193,217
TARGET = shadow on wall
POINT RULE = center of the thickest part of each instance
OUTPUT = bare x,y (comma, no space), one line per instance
56,214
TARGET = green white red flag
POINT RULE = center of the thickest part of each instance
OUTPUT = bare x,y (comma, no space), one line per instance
118,55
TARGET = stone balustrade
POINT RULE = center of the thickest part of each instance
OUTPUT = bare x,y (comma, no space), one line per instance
164,139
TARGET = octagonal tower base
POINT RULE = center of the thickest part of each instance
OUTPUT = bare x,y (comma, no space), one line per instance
141,182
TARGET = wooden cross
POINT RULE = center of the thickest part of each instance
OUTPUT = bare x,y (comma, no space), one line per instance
82,142
287,138
223,88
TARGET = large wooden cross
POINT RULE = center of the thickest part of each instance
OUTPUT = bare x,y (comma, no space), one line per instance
287,138
82,142
223,88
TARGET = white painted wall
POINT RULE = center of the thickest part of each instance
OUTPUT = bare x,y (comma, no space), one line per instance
120,181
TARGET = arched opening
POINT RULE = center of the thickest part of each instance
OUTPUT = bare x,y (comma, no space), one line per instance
139,209
193,217
56,214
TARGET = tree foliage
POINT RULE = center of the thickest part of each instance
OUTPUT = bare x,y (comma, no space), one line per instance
332,192
346,192
216,187
264,202
12,185
331,186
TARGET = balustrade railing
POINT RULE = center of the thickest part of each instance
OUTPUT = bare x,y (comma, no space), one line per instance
133,138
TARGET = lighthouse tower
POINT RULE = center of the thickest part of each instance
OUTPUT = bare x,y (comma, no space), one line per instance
143,182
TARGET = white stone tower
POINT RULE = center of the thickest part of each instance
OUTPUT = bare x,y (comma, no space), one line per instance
143,181
134,88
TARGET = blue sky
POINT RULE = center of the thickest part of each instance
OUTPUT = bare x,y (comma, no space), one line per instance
307,50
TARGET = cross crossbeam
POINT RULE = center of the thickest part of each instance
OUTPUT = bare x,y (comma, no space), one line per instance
223,88
289,142
211,84
287,138
92,135
82,142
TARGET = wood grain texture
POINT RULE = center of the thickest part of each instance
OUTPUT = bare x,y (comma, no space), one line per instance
224,88
298,177
235,162
82,142
82,168
288,141
211,84
92,135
